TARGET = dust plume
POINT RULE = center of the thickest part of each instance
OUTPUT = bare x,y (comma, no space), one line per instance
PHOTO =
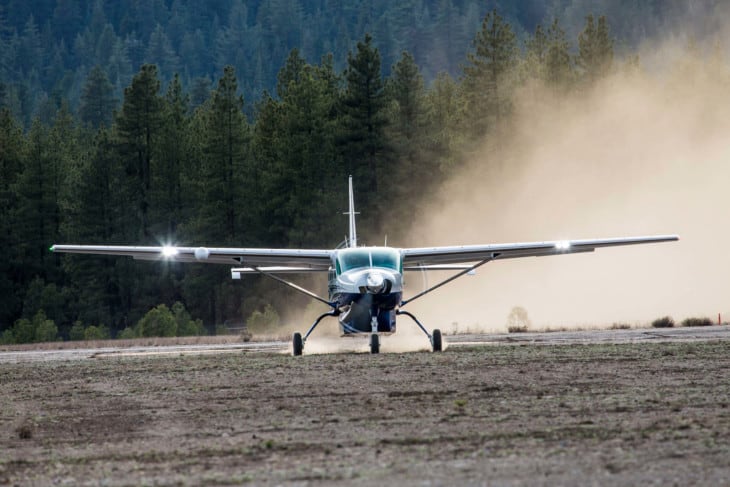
638,154
407,339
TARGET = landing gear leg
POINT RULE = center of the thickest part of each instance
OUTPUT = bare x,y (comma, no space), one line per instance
297,339
435,339
374,337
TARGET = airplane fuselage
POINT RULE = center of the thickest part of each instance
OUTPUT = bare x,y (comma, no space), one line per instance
366,283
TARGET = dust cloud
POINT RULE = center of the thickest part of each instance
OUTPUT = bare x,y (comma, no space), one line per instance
638,154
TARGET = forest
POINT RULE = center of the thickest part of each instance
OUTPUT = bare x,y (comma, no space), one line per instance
237,123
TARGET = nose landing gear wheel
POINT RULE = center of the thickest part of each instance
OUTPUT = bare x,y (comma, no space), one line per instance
436,340
374,343
297,344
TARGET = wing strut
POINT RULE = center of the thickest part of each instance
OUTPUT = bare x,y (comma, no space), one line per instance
295,287
446,281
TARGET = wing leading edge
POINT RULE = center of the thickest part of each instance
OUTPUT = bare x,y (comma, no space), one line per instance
315,259
473,253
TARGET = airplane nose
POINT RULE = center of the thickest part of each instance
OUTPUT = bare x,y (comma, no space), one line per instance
375,282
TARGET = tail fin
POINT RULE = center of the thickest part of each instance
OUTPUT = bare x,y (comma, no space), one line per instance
352,213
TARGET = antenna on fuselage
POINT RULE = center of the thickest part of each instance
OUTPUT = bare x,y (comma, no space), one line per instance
352,241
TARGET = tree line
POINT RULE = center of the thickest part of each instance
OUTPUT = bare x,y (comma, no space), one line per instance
159,169
48,48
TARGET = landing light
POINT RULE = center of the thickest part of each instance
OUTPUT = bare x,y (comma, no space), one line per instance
168,251
562,245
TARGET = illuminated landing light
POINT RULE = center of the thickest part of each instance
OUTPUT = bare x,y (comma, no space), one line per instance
168,251
562,245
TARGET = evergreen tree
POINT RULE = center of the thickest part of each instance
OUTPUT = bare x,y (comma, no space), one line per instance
308,155
407,133
173,151
558,68
225,144
138,127
486,82
161,53
95,214
595,49
364,122
444,121
97,99
12,157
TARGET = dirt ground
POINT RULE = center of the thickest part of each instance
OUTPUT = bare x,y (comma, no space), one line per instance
607,414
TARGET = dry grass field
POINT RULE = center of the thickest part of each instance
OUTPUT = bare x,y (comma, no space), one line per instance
500,415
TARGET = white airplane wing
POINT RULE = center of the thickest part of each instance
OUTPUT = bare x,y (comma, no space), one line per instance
310,259
430,256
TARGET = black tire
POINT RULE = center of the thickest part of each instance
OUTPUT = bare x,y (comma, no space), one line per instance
374,343
436,342
297,344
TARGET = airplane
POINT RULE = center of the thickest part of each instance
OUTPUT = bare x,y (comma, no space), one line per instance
365,283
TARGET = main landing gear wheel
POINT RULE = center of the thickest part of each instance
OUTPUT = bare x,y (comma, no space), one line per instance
436,341
297,344
374,343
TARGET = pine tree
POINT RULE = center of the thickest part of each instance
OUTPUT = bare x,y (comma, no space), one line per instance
138,127
595,49
445,113
95,213
364,122
486,82
12,158
412,157
309,156
172,155
558,68
225,144
97,99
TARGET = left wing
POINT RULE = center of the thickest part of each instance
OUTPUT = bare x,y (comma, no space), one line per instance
311,259
428,256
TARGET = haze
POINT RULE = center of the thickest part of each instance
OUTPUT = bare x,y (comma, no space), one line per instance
639,154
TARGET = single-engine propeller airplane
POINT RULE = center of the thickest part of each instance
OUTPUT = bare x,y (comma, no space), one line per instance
365,283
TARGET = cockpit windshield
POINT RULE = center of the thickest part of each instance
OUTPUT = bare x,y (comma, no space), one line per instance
387,258
349,259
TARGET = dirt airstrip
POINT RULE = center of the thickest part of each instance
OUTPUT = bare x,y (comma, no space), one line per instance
634,413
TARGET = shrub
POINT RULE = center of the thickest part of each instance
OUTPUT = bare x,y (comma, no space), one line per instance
697,322
518,321
7,338
127,334
100,332
45,329
158,322
620,326
260,322
186,326
76,333
663,322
